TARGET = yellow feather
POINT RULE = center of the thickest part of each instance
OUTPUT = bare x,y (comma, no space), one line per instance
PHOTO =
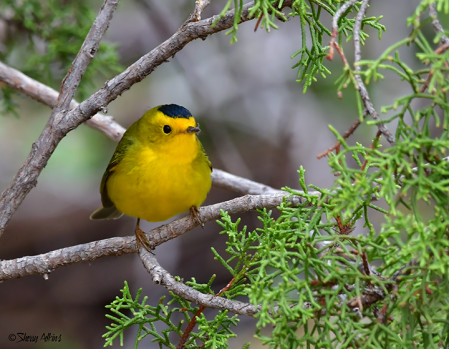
154,175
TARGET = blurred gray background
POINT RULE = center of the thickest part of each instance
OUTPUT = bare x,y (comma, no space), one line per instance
256,123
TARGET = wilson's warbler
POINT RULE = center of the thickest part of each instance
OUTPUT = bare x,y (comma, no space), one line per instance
159,169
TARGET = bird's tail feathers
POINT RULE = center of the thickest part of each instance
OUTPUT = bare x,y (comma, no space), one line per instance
106,213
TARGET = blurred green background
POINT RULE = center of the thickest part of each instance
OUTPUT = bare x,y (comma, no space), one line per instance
256,123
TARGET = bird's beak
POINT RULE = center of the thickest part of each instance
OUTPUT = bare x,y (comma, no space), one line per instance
192,129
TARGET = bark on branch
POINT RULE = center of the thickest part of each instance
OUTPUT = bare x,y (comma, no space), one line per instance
47,262
59,123
161,277
106,124
360,85
41,151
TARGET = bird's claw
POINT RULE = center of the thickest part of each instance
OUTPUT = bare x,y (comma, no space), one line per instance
196,216
142,240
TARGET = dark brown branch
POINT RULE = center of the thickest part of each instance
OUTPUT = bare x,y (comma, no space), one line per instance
442,48
438,51
373,294
47,262
192,322
404,270
373,145
41,151
258,22
60,119
190,327
345,136
366,266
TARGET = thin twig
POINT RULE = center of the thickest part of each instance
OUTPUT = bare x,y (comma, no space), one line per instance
436,23
373,294
366,267
442,48
340,52
345,136
360,85
380,315
339,13
333,43
438,51
258,22
200,5
190,327
192,322
47,262
27,176
357,53
82,60
404,270
60,118
373,144
161,277
444,40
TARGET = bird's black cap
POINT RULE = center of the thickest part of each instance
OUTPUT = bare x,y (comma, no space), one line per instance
175,111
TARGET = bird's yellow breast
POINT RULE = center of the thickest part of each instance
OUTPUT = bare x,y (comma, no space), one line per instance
155,183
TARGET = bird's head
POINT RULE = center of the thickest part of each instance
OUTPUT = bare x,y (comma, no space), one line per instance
168,125
165,123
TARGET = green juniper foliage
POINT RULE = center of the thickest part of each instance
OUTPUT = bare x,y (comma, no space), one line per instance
310,58
43,38
211,333
312,277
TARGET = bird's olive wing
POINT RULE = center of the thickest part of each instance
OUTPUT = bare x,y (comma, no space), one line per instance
119,153
203,152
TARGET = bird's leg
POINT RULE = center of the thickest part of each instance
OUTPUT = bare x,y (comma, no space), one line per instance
195,214
141,238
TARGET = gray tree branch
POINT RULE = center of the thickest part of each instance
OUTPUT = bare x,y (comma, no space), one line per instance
106,124
41,151
48,96
45,263
200,5
161,277
339,13
437,25
360,85
55,130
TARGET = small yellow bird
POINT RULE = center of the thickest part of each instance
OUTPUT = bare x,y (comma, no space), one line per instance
159,169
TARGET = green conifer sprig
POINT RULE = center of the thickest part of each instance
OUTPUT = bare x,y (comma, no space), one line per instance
42,40
128,311
319,279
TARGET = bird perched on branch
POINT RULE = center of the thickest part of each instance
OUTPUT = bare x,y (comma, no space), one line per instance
159,169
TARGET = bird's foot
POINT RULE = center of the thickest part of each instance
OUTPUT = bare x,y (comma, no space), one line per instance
141,238
196,216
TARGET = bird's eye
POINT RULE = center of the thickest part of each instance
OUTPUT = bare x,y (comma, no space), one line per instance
167,129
